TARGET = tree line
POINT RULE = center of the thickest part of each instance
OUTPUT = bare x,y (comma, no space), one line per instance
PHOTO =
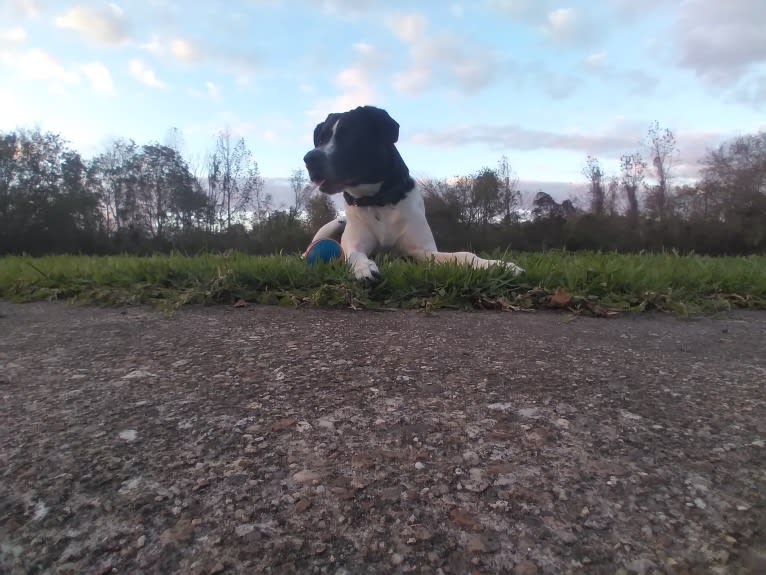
148,198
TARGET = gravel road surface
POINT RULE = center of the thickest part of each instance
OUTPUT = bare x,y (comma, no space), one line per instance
272,440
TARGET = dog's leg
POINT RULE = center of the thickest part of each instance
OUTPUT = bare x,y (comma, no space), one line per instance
467,258
357,243
331,230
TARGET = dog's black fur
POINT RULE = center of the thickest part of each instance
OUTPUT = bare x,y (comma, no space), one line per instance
364,153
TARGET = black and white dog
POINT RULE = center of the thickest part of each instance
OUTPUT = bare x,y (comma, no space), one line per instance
354,153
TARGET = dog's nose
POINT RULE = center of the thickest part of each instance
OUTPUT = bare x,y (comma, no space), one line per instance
312,158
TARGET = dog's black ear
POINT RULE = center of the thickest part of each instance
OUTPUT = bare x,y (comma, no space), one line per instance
387,126
326,125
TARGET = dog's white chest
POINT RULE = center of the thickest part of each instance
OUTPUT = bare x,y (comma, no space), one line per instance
384,223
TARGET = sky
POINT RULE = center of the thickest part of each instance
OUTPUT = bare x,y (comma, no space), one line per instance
543,82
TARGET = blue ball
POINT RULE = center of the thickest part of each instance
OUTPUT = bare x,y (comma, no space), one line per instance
323,250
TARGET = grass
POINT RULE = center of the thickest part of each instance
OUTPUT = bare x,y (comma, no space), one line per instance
596,283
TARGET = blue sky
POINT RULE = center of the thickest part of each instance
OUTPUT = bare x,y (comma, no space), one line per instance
543,82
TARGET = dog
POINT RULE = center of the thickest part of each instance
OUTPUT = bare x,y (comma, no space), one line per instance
354,153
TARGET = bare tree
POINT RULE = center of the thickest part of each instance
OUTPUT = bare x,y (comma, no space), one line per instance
632,175
113,175
235,186
510,196
595,176
611,205
298,185
663,151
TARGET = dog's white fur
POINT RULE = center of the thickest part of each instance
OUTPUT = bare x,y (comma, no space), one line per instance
401,228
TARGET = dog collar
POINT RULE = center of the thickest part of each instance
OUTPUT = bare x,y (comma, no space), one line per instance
390,193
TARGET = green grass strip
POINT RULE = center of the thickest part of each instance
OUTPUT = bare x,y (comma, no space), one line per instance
591,282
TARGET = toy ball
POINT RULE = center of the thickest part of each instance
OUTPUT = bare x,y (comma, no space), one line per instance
323,250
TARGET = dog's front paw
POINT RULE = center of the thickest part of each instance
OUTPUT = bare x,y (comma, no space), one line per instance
509,266
363,268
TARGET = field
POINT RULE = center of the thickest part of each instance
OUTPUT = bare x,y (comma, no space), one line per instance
595,283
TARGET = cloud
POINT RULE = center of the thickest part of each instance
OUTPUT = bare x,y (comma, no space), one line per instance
609,143
190,51
28,9
144,74
346,7
213,91
154,46
630,9
439,58
12,38
105,26
185,50
529,10
595,61
41,65
562,24
99,77
721,41
632,80
559,25
356,82
517,137
408,27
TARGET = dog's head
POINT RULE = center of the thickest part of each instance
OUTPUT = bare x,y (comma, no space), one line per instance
353,149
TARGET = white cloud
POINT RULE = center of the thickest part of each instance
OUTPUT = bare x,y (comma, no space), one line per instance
99,76
41,65
630,9
356,87
12,38
141,72
721,41
413,80
439,58
185,50
106,26
568,26
154,46
407,27
519,138
213,91
533,10
346,7
27,8
243,66
355,82
595,61
608,143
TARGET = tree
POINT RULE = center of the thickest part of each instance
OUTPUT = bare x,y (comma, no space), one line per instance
320,209
595,176
611,205
44,205
113,177
486,202
632,175
298,187
663,152
510,196
733,186
235,186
